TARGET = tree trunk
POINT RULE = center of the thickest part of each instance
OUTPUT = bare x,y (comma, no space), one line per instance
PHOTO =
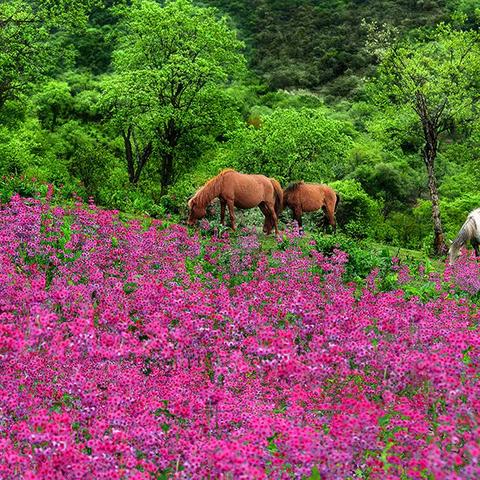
129,155
439,239
430,132
429,157
142,159
135,161
172,136
167,173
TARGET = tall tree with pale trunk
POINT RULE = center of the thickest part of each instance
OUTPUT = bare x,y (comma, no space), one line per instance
438,76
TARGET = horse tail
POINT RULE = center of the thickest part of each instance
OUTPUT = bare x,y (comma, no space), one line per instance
278,196
285,199
337,201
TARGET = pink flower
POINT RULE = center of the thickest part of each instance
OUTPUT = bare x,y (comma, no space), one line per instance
136,353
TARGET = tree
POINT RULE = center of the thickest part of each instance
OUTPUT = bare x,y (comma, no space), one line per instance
437,77
27,47
171,64
292,144
132,119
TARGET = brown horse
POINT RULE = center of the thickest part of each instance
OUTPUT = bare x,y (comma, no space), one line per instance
239,190
304,197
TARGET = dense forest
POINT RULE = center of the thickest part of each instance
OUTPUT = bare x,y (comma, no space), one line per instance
137,103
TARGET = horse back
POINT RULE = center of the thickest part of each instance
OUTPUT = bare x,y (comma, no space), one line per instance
246,190
313,196
474,220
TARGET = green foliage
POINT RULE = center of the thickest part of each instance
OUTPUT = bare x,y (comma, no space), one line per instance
166,93
362,258
409,228
294,144
136,200
32,40
454,210
35,188
358,214
444,68
437,78
395,183
52,103
23,47
320,45
16,150
21,185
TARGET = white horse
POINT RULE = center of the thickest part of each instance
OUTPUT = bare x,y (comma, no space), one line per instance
470,231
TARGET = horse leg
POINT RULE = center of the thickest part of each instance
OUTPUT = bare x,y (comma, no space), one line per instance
476,247
273,216
232,214
331,218
297,215
223,204
267,225
324,219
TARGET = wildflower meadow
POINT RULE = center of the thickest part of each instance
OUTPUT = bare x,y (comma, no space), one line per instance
137,349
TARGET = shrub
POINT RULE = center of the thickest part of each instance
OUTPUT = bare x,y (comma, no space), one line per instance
358,214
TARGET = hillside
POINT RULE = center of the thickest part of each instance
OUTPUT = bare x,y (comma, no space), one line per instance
141,337
321,45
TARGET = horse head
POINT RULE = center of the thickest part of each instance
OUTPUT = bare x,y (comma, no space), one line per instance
196,211
453,253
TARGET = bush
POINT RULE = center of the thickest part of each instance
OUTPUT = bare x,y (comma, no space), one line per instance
118,194
30,187
358,214
306,144
362,258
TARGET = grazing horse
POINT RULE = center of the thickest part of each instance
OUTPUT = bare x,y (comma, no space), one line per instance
239,190
304,197
470,231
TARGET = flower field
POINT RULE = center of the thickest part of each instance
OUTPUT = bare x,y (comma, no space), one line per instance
138,350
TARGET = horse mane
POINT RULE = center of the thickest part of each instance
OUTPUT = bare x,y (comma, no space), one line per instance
294,186
467,231
463,235
203,195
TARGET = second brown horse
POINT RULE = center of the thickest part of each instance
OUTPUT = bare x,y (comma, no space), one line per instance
303,197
